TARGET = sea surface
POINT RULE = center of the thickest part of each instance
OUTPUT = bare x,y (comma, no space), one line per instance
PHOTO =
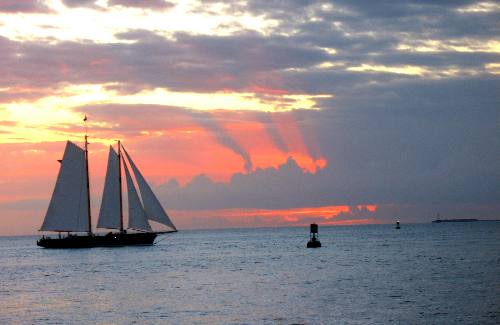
420,274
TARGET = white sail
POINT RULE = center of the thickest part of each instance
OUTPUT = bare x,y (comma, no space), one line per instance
109,215
68,208
136,214
153,208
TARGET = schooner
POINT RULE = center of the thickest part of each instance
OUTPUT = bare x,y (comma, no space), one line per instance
69,208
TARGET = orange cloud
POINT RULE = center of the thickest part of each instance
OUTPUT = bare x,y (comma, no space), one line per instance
325,215
253,136
353,222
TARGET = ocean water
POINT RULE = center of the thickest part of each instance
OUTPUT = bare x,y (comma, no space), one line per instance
421,274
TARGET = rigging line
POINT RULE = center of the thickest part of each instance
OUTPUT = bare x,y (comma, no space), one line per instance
89,208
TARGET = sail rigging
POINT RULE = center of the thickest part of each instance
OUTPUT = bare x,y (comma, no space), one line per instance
136,214
109,214
68,208
153,208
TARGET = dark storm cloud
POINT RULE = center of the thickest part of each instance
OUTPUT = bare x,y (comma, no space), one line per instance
361,33
204,63
390,9
356,29
263,188
189,63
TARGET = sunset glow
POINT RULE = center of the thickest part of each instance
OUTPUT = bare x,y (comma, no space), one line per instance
326,215
253,113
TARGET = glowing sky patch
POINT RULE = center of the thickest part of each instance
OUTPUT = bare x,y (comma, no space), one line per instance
73,23
458,45
408,69
32,116
425,72
329,64
493,68
80,95
480,7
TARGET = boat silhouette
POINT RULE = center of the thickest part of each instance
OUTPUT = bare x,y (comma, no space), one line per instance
69,209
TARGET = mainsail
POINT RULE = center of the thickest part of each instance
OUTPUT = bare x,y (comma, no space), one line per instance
68,208
153,208
109,215
136,214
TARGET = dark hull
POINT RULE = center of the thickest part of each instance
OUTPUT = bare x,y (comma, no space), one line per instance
109,240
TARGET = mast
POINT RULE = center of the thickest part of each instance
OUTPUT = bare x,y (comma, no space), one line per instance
120,182
87,173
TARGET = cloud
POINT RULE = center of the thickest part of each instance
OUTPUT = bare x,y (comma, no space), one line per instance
387,145
289,60
144,4
150,4
23,6
79,3
237,64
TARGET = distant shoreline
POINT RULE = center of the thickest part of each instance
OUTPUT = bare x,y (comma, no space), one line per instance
459,220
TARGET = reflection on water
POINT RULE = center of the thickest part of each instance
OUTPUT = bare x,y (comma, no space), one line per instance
434,273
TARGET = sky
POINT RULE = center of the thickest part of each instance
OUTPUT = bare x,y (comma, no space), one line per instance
257,113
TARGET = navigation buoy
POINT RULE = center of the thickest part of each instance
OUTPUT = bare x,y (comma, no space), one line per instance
313,237
397,225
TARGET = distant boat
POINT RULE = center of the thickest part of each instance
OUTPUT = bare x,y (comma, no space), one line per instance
454,220
69,208
397,225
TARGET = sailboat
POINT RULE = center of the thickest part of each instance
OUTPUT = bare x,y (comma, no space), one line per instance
69,208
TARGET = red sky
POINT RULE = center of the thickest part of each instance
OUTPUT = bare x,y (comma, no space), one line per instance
181,152
257,114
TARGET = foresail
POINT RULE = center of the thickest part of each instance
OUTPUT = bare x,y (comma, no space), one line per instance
136,214
109,214
153,208
68,209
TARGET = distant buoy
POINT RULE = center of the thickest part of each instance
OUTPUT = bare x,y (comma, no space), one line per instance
397,225
313,237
